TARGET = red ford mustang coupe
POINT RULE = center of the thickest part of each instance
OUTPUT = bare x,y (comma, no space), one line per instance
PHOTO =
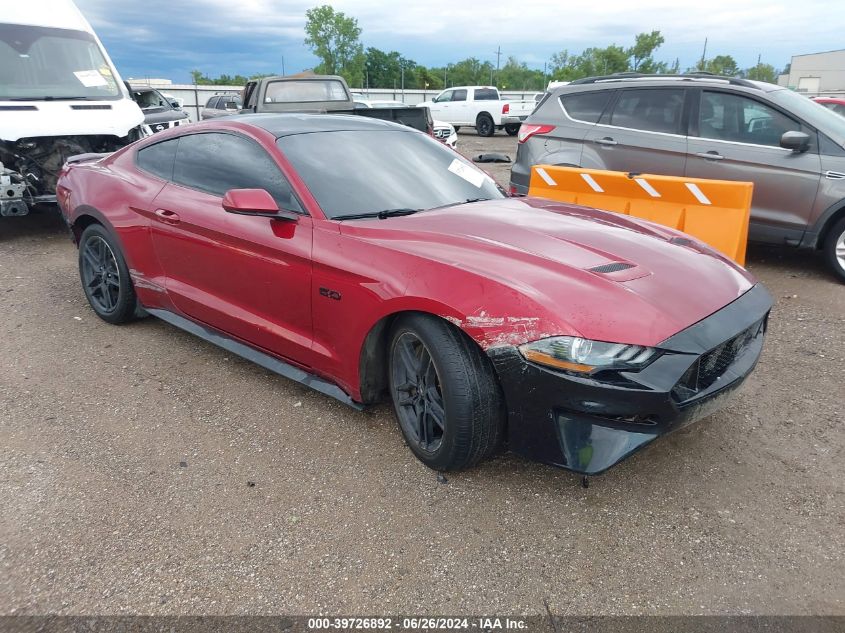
365,259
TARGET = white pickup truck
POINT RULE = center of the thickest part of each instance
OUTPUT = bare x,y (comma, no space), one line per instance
481,107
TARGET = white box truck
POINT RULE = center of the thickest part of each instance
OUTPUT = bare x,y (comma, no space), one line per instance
60,95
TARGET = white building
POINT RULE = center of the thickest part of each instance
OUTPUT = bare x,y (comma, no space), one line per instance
817,74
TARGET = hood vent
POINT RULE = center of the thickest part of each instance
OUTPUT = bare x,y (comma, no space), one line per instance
90,107
612,267
17,108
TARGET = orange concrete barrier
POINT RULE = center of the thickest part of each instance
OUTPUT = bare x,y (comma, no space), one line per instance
714,211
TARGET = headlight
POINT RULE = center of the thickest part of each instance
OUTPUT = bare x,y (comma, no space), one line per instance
583,356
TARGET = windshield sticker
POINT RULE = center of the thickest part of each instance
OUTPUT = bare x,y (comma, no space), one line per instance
471,175
90,78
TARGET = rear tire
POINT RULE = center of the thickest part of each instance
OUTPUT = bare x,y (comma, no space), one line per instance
457,127
484,125
512,129
834,249
105,277
445,394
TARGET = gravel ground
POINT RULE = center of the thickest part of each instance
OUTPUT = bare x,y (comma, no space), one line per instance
145,471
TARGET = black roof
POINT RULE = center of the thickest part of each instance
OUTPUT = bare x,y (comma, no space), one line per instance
296,123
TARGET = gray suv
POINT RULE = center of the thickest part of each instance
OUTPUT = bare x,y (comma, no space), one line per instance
704,126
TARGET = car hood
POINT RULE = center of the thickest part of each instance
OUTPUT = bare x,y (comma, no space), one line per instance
68,118
562,268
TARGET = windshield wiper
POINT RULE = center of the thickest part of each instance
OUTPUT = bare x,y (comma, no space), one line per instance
467,201
381,215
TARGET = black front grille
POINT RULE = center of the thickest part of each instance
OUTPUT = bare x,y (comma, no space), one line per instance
712,365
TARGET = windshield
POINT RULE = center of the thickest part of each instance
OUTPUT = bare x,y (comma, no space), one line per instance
151,100
353,172
38,63
814,113
305,91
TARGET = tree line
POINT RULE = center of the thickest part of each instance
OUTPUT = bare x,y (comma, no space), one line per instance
335,39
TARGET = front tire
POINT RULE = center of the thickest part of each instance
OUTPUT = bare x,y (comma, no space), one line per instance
512,129
484,125
445,394
834,249
105,276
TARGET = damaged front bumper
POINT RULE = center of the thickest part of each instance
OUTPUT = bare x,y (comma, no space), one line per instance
589,423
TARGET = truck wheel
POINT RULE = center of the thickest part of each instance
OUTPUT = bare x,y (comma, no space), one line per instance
457,127
834,249
445,393
105,276
484,125
512,129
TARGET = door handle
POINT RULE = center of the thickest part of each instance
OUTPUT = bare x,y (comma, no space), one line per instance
711,155
168,217
606,141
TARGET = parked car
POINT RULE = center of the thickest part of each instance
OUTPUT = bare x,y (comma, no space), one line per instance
478,106
577,336
703,126
832,103
442,131
221,105
60,95
159,113
324,94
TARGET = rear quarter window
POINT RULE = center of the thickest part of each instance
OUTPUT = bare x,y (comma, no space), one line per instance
586,106
486,94
158,159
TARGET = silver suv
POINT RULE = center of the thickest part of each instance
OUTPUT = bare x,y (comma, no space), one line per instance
704,126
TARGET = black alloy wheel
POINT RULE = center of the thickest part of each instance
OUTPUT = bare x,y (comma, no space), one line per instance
419,401
105,276
445,393
484,125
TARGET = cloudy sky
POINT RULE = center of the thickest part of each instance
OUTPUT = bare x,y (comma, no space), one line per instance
169,38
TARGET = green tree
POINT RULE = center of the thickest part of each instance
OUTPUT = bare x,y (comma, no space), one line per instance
384,70
517,76
335,39
762,72
641,53
719,65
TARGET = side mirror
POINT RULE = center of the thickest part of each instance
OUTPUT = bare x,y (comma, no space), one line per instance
175,105
255,202
796,141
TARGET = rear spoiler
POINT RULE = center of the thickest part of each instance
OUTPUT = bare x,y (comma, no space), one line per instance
83,158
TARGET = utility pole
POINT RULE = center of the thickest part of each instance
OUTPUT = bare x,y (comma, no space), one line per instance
498,56
445,66
703,55
283,65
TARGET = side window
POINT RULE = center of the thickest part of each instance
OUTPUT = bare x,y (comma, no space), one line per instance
586,106
459,95
445,96
656,110
486,94
731,117
212,103
158,159
215,163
